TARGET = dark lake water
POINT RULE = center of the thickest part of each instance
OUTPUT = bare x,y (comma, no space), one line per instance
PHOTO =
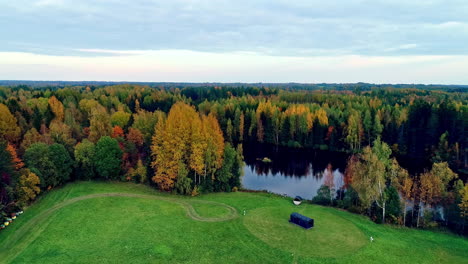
291,171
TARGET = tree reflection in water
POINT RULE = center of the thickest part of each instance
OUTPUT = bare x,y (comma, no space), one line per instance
292,171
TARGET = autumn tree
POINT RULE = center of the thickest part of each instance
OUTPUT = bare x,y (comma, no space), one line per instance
61,133
186,140
31,137
446,176
370,175
99,124
14,157
28,186
145,122
197,148
463,205
137,174
9,129
134,135
402,181
88,105
171,144
215,145
117,132
354,131
57,109
120,118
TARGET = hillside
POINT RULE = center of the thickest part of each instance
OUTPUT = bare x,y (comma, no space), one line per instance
91,222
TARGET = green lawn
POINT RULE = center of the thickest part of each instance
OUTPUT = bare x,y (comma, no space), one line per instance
97,222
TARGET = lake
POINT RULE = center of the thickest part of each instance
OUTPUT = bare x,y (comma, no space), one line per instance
291,171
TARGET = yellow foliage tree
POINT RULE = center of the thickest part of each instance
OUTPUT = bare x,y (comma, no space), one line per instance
171,144
99,124
57,108
120,118
198,147
321,116
215,144
464,202
9,129
28,186
185,140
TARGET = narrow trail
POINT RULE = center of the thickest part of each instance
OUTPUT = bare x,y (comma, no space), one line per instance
23,236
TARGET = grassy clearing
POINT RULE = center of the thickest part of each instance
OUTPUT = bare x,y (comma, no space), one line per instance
332,236
120,229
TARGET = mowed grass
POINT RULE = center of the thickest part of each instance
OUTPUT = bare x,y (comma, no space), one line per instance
268,224
121,229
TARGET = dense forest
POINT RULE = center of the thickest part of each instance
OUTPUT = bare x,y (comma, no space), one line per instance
188,139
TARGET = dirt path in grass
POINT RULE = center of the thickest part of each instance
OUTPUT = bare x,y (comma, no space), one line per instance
24,235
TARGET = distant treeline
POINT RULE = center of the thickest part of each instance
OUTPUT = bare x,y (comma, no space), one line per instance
24,84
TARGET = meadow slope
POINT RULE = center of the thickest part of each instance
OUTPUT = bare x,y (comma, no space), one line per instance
102,222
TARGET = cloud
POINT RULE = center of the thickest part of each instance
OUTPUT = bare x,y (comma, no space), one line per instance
292,28
402,47
110,52
244,40
48,3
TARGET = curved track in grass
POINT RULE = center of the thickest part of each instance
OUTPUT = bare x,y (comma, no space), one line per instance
21,239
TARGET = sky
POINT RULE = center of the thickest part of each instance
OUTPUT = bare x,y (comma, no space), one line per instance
308,41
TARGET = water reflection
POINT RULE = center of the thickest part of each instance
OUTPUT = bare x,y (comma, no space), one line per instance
292,171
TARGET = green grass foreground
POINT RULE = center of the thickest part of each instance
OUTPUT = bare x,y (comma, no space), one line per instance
98,222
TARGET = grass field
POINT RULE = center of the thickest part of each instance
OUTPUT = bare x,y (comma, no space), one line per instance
97,222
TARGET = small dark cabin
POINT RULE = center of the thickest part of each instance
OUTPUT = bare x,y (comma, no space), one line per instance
301,220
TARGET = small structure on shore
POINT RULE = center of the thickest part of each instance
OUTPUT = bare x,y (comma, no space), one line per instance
297,200
301,220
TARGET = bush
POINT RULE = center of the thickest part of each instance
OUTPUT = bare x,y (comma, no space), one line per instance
351,201
294,144
195,191
323,196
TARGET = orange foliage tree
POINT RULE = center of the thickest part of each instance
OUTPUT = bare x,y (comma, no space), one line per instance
14,157
117,131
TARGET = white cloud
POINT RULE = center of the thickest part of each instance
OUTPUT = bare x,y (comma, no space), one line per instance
402,47
45,3
112,52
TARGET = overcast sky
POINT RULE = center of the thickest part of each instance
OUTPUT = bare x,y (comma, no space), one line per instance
399,41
